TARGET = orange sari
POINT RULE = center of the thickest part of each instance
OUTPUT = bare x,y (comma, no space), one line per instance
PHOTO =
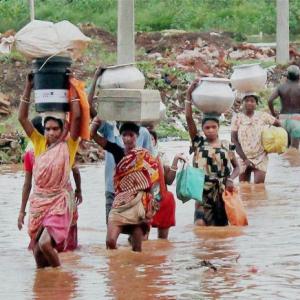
135,177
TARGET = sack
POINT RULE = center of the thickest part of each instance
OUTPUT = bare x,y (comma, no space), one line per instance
41,39
274,139
235,210
190,183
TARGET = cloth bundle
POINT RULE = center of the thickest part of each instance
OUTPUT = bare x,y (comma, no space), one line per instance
43,39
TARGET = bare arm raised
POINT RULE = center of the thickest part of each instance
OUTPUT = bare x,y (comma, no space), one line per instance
75,115
189,113
24,106
96,123
97,74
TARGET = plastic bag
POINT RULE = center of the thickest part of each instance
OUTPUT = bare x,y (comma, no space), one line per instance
190,183
42,39
274,139
235,209
292,126
165,217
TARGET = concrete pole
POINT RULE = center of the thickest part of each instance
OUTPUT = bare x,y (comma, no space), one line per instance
282,32
31,9
126,43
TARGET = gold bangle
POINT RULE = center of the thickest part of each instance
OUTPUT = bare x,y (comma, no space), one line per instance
174,169
75,100
23,99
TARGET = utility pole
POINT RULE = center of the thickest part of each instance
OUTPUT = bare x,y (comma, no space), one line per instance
126,43
31,9
282,32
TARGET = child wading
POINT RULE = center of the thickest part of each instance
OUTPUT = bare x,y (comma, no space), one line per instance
217,158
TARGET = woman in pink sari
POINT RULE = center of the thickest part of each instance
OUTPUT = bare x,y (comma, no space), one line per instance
51,203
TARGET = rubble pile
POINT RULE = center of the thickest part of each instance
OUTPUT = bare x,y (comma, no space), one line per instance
170,61
206,54
89,152
179,57
10,148
5,106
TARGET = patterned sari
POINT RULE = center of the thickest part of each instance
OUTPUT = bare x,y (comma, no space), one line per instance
51,203
136,178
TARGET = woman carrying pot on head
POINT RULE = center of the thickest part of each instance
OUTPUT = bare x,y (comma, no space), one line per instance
51,204
246,134
217,158
136,186
165,217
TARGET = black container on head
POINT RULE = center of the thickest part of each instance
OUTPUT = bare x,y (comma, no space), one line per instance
51,83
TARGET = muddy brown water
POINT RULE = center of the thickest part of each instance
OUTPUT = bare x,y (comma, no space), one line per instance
260,261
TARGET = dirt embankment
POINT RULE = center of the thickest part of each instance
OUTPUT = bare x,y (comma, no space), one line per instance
199,53
169,59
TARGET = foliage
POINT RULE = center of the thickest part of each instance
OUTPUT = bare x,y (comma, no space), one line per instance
167,130
263,104
264,64
148,68
240,16
11,57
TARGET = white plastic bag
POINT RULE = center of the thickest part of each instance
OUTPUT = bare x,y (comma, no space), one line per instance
6,44
41,38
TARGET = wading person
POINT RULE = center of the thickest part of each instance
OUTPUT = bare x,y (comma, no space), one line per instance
246,134
28,166
217,158
164,219
110,131
289,94
135,181
51,205
72,241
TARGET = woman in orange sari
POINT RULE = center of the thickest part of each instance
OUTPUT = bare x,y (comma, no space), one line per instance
136,185
51,203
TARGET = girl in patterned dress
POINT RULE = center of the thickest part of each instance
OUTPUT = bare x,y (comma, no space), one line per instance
216,157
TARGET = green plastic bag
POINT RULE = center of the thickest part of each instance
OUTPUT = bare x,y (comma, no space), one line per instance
190,183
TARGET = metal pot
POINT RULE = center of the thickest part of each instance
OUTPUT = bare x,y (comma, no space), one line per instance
248,78
122,76
213,95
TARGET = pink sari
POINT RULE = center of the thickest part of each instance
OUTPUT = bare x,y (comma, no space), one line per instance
51,203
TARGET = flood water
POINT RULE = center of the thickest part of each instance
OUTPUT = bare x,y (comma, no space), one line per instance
260,261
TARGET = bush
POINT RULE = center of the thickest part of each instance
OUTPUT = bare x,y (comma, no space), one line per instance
242,16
